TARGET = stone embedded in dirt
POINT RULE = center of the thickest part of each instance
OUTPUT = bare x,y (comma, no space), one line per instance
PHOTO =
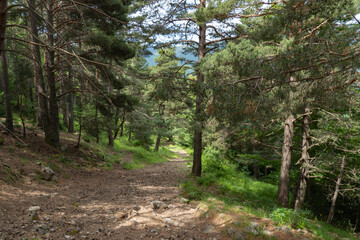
302,231
284,229
34,209
64,147
164,199
47,173
239,236
185,200
34,212
158,205
136,208
42,229
132,213
231,231
268,233
253,228
45,195
209,229
121,214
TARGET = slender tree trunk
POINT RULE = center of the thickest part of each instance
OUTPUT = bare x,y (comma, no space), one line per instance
157,144
305,159
42,115
80,131
21,116
339,179
110,136
97,124
122,124
357,218
110,125
71,99
30,90
256,171
64,105
284,180
3,22
196,169
80,119
130,131
5,86
52,134
117,118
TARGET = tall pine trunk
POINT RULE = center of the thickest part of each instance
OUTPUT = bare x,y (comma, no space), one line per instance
110,125
157,144
122,124
71,99
196,169
284,179
305,159
64,104
339,179
3,22
97,123
52,135
5,86
42,113
130,130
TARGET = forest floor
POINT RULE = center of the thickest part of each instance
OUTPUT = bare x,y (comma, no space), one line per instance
85,202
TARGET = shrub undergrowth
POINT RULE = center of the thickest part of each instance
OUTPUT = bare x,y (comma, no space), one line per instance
222,180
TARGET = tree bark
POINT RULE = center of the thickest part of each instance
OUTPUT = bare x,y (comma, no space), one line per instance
117,118
196,169
71,104
339,180
110,136
42,114
64,105
122,124
256,171
97,124
110,124
5,86
305,159
284,180
130,131
21,116
3,22
157,144
52,134
80,118
357,218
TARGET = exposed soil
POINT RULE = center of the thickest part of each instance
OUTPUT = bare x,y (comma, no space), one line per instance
92,203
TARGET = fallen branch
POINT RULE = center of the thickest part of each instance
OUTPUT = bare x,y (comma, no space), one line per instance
13,134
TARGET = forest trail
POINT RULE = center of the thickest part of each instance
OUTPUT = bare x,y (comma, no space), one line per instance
112,204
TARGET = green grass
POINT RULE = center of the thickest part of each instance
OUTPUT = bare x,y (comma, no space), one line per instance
221,180
140,157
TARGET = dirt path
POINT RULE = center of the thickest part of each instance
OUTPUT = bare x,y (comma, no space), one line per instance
114,204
